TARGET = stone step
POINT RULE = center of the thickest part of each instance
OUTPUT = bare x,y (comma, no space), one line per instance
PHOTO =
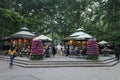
67,65
59,62
27,60
42,64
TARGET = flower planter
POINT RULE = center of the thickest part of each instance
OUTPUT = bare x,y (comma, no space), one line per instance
92,50
37,50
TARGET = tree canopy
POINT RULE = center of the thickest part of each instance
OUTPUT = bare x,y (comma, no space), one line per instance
100,18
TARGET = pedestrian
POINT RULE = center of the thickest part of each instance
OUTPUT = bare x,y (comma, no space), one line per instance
12,54
47,51
67,50
84,51
54,50
77,51
117,52
58,49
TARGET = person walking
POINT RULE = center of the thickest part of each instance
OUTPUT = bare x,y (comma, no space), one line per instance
12,54
117,52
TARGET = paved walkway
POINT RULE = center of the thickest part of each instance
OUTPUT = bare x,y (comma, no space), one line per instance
64,73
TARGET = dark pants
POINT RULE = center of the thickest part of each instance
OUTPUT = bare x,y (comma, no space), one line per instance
11,59
117,56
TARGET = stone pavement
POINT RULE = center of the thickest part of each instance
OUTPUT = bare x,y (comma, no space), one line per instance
61,73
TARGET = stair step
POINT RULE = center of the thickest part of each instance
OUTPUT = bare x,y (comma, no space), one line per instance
55,62
42,64
70,65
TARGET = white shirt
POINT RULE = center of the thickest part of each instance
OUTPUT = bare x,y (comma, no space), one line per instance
58,47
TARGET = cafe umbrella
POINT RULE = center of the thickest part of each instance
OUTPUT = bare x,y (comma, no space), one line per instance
43,38
103,42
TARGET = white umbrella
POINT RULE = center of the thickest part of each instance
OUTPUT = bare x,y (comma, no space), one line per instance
43,37
103,42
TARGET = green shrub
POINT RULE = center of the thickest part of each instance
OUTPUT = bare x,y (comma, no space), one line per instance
36,57
91,57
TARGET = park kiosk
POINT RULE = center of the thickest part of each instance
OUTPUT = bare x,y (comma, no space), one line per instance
78,38
22,38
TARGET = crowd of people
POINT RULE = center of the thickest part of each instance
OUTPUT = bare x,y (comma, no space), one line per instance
61,50
52,50
58,50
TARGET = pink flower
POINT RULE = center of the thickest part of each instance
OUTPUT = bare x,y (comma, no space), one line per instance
92,47
37,47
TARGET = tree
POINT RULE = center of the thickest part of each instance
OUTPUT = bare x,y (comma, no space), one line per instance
63,17
10,21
